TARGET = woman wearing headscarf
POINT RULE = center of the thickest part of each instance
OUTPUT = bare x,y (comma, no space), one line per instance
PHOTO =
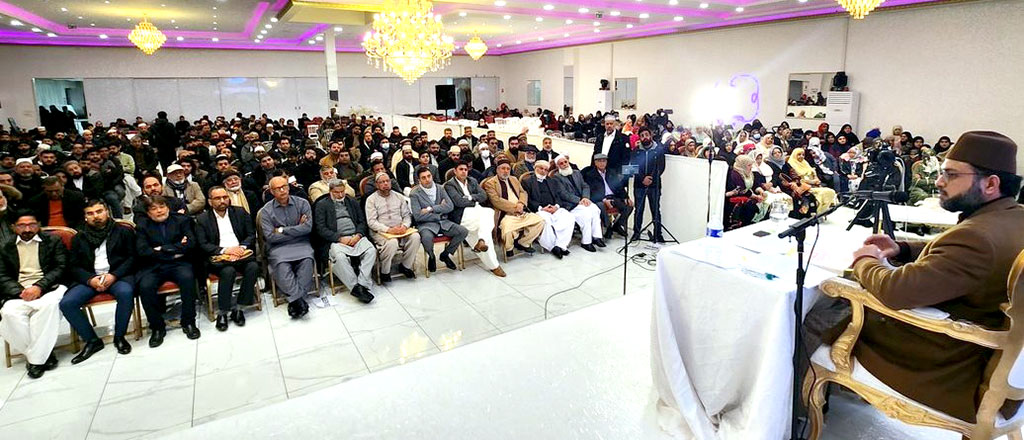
770,176
828,145
852,164
775,158
803,181
851,137
743,143
727,154
767,141
823,129
825,165
924,174
744,198
942,145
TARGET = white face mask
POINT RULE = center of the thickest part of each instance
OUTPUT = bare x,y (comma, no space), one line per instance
485,153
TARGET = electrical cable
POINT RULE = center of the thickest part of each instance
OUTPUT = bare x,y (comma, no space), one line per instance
807,354
577,286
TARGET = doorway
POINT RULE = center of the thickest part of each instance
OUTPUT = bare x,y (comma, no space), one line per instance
60,103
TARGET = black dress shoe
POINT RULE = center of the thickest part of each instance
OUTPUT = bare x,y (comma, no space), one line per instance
527,249
621,230
122,345
408,273
51,362
362,294
385,278
588,247
447,260
599,243
294,309
509,254
238,317
35,371
557,252
191,331
303,308
156,337
431,264
92,347
222,322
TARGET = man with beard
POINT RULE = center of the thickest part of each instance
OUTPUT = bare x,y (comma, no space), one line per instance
430,206
260,177
962,272
308,169
467,196
238,195
454,155
517,227
286,222
586,212
178,187
467,134
31,267
48,162
529,158
162,243
612,143
550,201
226,235
26,179
145,159
102,260
333,156
6,213
151,187
447,140
389,213
341,225
348,169
90,185
649,158
57,207
405,171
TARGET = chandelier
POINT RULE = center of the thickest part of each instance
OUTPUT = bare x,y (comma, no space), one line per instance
407,39
860,8
475,47
147,37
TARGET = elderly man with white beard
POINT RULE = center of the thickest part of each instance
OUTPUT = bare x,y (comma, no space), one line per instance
587,213
549,200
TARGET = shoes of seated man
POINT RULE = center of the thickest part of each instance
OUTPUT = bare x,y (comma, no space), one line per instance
599,242
362,294
480,246
191,331
588,247
238,317
298,308
407,272
431,264
92,347
447,260
509,254
156,337
498,272
527,249
385,278
35,371
122,345
51,362
557,252
222,322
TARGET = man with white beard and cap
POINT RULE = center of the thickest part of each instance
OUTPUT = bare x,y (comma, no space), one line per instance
549,200
467,196
178,187
587,213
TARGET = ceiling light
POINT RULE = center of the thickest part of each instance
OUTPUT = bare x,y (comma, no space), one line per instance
175,27
704,5
507,17
673,2
565,34
540,38
644,15
106,1
499,3
319,38
519,42
127,19
35,29
629,25
268,26
678,18
539,19
568,21
803,1
214,7
256,40
583,10
499,45
337,29
103,36
549,7
63,9
597,23
172,20
273,19
16,23
739,9
311,42
259,36
215,22
596,31
92,24
263,31
615,13
163,5
51,34
462,14
180,38
215,28
215,39
215,16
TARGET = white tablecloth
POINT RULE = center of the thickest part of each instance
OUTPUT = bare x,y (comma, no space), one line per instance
722,339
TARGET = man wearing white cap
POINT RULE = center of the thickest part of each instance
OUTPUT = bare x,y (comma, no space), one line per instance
454,153
25,178
405,171
586,212
613,144
178,187
549,200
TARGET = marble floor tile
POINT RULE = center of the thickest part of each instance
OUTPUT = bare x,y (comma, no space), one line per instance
405,360
9,379
380,313
145,370
479,285
566,302
59,390
236,389
344,303
427,298
460,326
64,425
399,342
237,346
318,327
540,292
135,414
509,310
316,367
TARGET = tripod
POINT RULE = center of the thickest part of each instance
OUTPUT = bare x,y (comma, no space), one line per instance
880,218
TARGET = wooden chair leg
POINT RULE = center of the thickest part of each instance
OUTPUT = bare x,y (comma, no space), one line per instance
209,299
258,298
426,270
7,354
462,258
138,322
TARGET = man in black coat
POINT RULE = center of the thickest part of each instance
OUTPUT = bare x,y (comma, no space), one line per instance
341,226
165,139
31,268
163,239
226,235
405,170
613,144
70,203
649,158
608,189
111,273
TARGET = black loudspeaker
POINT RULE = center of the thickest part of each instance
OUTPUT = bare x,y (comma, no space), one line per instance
839,81
445,97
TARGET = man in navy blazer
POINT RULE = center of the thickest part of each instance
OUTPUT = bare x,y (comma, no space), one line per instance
225,233
614,144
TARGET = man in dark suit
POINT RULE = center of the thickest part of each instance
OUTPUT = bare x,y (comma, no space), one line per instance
162,240
468,198
240,196
430,206
608,190
102,262
405,171
649,158
31,267
90,185
226,235
454,155
613,143
341,225
586,212
551,202
57,207
165,139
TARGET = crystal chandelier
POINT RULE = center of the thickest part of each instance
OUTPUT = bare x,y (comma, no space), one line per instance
147,37
860,8
475,47
407,39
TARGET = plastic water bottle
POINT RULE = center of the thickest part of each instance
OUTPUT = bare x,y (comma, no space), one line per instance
715,226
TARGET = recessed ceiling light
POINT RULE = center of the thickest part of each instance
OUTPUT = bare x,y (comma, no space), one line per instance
268,26
803,1
172,20
312,42
568,21
519,42
549,7
81,17
739,9
103,36
597,31
644,15
175,27
499,3
629,25
540,38
539,19
319,38
215,28
337,29
457,47
128,19
273,19
507,17
214,7
92,24
673,2
215,22
259,36
51,34
215,39
214,16
462,14
163,5
704,5
583,10
263,31
615,13
597,23
16,23
106,1
256,41
565,34
499,44
180,38
678,18
63,9
35,29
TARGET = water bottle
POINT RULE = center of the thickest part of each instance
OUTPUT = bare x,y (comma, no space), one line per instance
715,225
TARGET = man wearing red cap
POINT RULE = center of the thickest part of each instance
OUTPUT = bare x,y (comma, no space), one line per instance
961,272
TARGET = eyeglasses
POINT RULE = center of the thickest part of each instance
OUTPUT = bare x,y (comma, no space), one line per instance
950,175
279,188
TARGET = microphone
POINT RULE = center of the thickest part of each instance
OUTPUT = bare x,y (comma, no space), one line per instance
883,196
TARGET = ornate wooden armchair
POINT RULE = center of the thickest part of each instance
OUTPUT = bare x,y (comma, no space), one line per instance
836,364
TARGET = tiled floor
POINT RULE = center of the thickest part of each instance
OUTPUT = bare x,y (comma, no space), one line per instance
151,392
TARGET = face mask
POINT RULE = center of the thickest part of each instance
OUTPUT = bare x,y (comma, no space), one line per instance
385,146
485,154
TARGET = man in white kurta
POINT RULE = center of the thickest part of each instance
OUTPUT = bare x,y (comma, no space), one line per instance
548,199
587,213
467,195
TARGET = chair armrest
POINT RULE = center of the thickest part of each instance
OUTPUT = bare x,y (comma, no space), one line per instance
961,330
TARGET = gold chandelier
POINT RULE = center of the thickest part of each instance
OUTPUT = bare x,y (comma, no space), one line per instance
859,8
408,39
475,47
147,37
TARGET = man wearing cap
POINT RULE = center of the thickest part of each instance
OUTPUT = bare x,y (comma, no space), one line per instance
551,202
25,177
962,272
612,143
586,212
454,153
529,158
189,193
517,227
238,195
405,171
390,218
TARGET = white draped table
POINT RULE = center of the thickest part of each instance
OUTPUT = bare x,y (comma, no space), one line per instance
722,334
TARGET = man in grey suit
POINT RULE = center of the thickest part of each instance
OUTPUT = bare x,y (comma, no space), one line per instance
587,213
430,207
467,195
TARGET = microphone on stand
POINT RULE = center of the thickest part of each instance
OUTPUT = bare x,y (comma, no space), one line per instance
883,196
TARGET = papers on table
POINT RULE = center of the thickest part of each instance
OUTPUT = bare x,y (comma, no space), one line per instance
770,266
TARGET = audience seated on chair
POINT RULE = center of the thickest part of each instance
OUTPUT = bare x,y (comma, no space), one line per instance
608,187
390,219
586,212
549,200
468,197
342,226
227,237
430,206
517,227
286,222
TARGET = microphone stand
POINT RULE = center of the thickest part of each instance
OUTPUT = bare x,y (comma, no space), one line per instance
798,230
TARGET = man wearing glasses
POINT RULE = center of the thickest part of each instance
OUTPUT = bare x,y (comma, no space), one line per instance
286,222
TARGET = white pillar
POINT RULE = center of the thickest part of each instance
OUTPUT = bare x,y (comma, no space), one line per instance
331,62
